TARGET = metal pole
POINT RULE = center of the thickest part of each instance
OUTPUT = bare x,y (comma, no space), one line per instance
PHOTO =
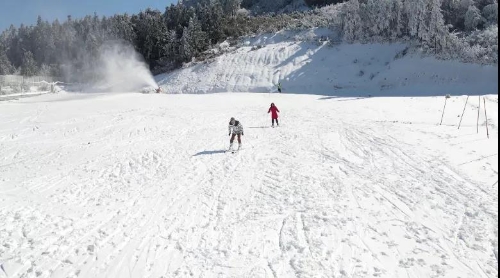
485,115
478,112
445,100
463,112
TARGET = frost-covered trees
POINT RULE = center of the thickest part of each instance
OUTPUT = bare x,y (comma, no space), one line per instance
168,38
468,15
436,29
390,19
352,24
5,65
315,3
187,51
230,7
194,40
490,13
183,31
29,67
424,21
472,18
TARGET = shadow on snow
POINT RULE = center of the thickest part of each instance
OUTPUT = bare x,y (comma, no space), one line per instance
210,152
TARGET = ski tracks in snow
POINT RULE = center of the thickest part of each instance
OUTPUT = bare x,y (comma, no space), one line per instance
145,190
427,204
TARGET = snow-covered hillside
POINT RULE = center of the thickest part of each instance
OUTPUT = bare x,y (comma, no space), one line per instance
314,67
135,185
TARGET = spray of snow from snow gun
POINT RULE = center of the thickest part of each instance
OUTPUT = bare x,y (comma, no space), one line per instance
119,68
124,69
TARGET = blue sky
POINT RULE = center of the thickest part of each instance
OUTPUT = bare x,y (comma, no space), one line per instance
26,11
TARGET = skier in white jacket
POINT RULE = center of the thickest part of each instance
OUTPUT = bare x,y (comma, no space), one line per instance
235,129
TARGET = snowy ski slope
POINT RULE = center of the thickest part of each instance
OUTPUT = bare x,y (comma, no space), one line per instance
139,185
134,185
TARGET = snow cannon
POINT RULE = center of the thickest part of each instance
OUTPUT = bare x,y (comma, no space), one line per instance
150,90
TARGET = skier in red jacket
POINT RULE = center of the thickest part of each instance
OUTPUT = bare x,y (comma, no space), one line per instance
274,114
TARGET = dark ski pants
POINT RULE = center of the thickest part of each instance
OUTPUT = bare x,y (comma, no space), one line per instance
233,136
276,122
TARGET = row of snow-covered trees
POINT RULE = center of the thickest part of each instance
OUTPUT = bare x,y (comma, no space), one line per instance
165,39
171,37
417,19
469,15
465,27
184,31
423,19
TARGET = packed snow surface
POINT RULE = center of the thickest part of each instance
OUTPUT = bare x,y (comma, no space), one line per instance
139,185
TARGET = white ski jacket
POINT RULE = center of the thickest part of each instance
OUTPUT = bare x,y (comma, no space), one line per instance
237,128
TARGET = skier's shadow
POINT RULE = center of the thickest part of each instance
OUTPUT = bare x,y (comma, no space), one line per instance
259,127
210,152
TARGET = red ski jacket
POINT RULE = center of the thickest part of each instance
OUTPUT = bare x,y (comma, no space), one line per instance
274,112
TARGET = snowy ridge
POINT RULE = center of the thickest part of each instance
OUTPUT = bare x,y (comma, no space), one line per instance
133,185
305,65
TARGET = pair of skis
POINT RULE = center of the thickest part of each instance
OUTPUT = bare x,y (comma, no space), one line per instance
234,151
231,150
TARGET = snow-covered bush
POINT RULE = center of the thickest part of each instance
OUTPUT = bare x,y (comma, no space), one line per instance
484,44
479,47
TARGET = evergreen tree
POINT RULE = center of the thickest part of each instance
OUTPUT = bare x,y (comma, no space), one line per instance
29,67
214,22
230,7
5,65
472,18
186,50
352,24
490,13
397,20
437,29
416,10
198,38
